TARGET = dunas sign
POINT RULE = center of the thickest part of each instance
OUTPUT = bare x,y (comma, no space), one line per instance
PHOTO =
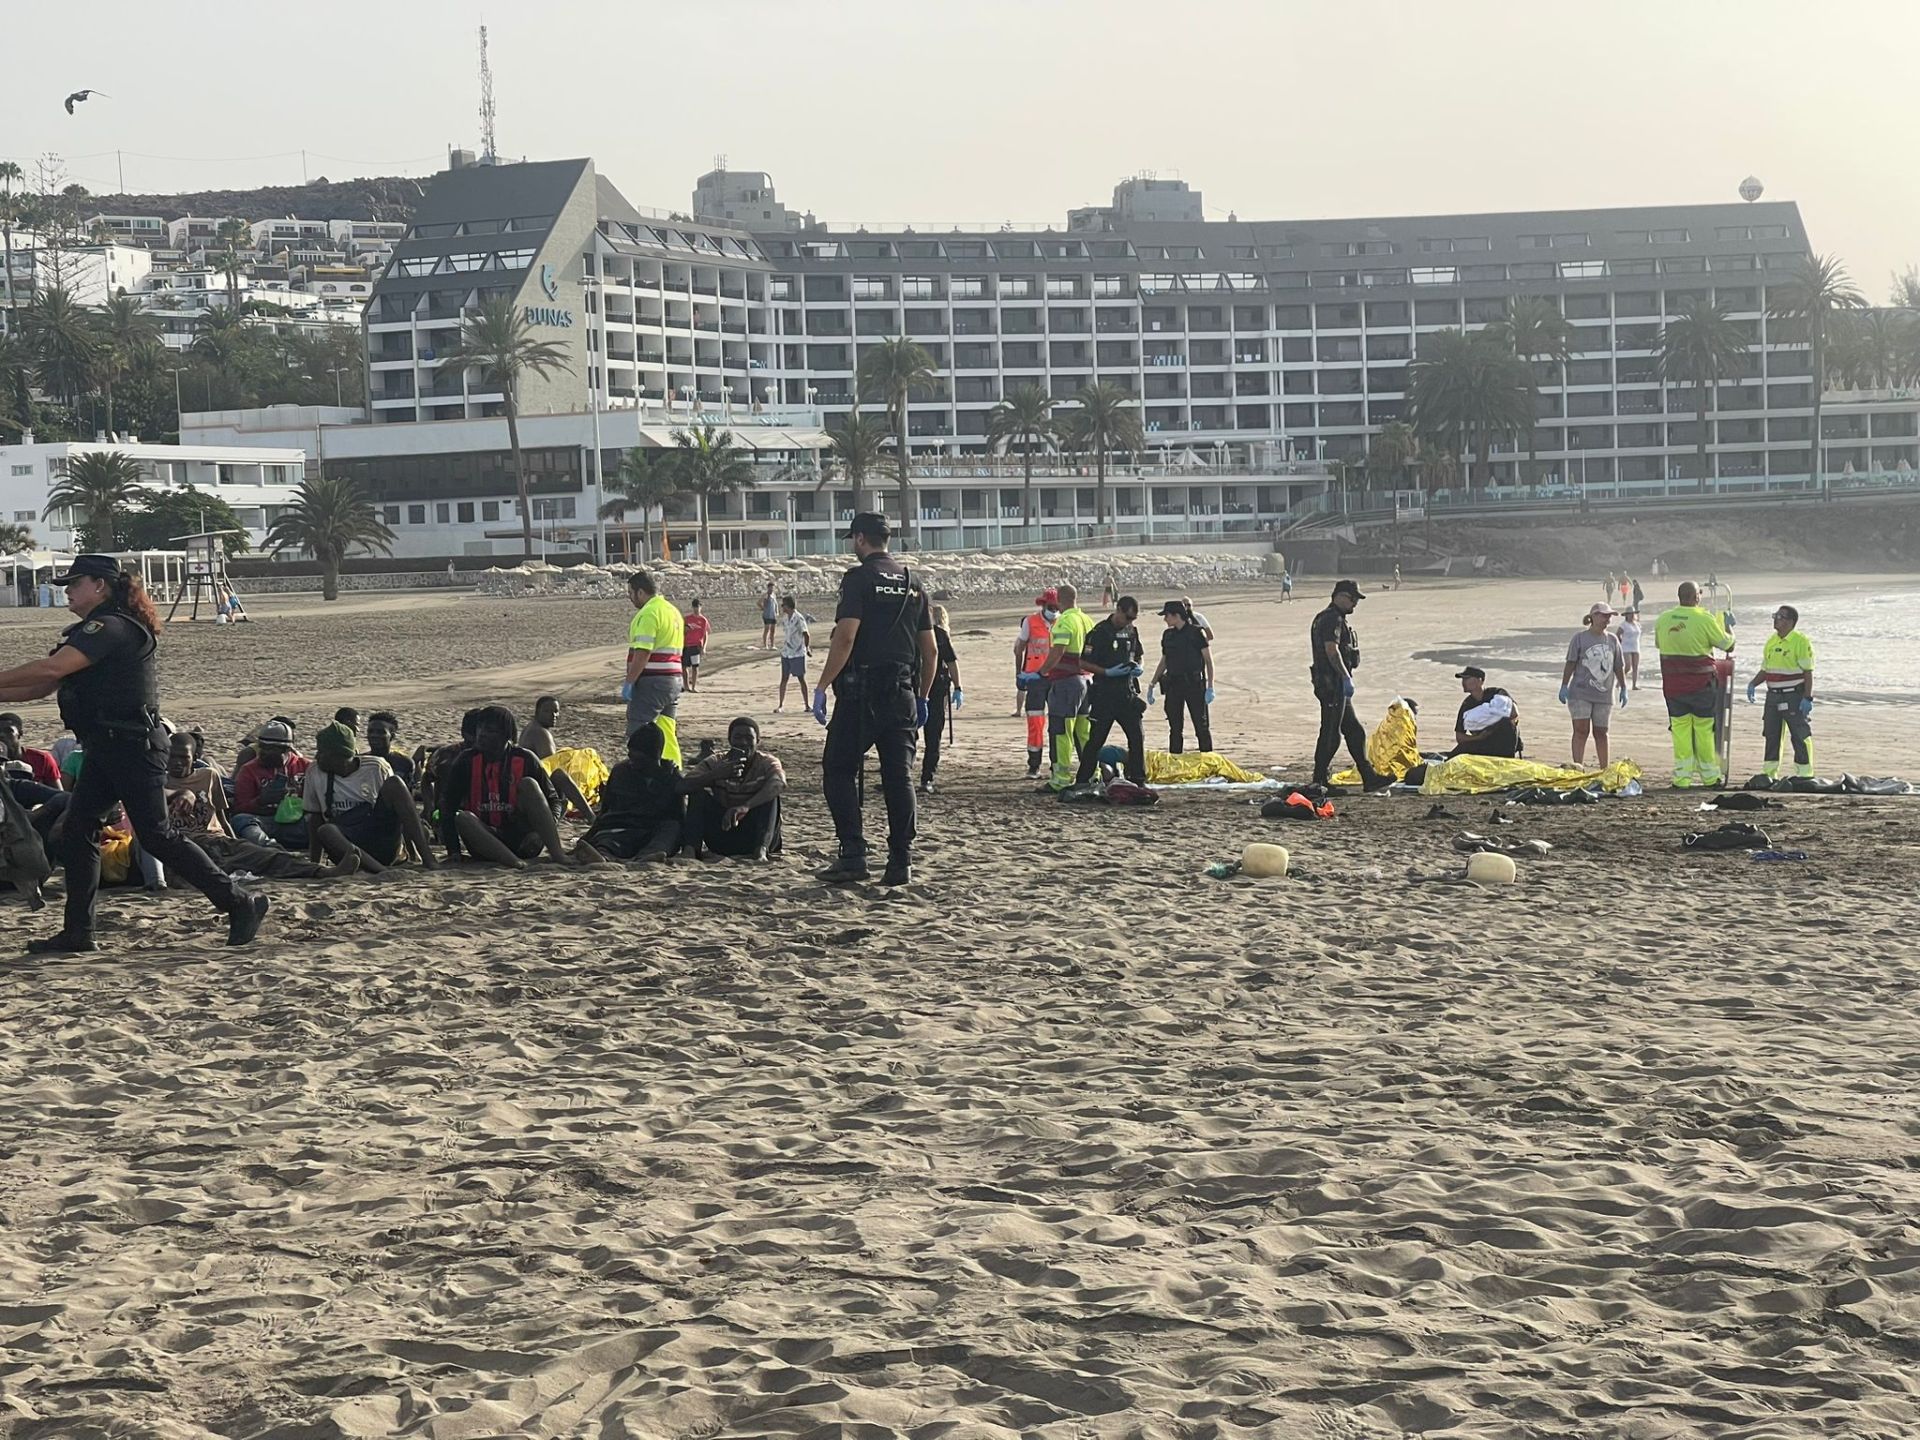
549,314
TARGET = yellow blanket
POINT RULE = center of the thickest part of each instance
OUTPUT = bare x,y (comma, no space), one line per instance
1393,749
586,769
1165,769
1477,774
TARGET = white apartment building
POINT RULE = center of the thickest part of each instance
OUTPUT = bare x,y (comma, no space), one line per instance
146,230
91,274
257,481
196,232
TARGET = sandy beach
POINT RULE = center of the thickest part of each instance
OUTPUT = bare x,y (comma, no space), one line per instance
1065,1141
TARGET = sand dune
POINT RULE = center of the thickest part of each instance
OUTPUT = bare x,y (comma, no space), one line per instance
1068,1141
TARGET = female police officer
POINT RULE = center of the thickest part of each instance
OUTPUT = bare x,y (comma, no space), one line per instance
103,669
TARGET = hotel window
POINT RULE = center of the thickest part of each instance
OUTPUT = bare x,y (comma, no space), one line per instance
1670,237
919,287
1535,242
443,513
416,514
1108,286
465,512
1683,265
1473,273
1769,232
869,287
1582,269
1732,232
1060,288
1630,267
512,260
23,469
968,287
1436,247
1571,242
1159,284
1465,243
489,509
1733,262
390,515
458,264
1016,287
422,265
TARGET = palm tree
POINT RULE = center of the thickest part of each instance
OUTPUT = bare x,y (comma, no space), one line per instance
646,478
127,335
1104,419
330,518
894,371
858,446
497,340
64,340
16,382
1467,388
1814,295
1873,349
1906,289
709,465
98,484
1535,330
10,176
231,235
1701,347
1393,450
1024,418
15,539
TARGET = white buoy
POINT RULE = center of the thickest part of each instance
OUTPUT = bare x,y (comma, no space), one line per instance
1264,861
1489,869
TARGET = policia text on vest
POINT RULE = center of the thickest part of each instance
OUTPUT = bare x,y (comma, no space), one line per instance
880,667
105,674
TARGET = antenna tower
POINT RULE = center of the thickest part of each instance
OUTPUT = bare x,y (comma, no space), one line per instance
488,152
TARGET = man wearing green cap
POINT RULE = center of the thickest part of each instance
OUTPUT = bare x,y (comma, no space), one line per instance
356,802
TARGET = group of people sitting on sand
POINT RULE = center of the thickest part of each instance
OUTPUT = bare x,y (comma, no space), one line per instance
351,803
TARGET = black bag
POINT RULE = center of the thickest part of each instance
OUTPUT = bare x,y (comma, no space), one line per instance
1734,835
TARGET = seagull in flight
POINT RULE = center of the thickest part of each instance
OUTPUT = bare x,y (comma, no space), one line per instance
82,95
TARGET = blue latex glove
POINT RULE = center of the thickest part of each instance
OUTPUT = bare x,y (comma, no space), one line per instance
1152,690
1120,671
1025,679
626,689
1753,692
1565,690
1806,706
920,712
1346,686
820,703
1209,694
1623,697
1731,622
959,699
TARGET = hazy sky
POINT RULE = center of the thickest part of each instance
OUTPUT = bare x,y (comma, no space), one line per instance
991,110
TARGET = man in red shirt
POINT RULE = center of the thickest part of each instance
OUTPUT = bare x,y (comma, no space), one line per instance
46,770
698,628
275,772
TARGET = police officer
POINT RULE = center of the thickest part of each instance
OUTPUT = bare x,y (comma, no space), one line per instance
1336,655
103,669
880,667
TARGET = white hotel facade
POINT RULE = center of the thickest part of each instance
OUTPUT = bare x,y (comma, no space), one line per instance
1259,351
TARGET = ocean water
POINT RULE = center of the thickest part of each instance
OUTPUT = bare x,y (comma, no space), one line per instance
1866,641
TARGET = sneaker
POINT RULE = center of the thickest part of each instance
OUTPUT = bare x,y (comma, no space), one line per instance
898,872
926,787
1376,781
844,871
244,919
62,944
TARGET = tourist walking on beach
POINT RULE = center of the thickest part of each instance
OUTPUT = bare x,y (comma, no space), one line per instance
1606,588
1185,672
109,691
698,627
1593,677
654,639
1630,645
1286,586
1624,584
796,647
1112,656
1690,680
769,617
880,668
1786,669
1067,680
946,688
1335,656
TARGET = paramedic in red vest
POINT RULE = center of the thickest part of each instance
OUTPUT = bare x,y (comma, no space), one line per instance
497,802
1029,660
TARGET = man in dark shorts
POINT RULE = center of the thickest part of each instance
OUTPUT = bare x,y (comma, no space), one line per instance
497,802
356,801
695,645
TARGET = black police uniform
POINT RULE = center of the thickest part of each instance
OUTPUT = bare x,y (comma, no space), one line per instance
874,702
1113,699
112,707
1337,720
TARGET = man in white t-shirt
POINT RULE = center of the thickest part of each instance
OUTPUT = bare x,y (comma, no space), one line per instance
796,645
356,802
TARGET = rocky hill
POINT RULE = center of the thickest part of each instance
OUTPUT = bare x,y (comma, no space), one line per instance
381,197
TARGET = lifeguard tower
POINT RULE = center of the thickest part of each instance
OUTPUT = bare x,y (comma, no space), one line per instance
205,574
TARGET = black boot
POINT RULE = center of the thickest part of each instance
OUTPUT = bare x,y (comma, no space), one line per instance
62,944
243,920
899,870
845,870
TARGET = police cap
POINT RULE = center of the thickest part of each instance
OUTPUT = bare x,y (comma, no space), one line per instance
870,524
90,567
